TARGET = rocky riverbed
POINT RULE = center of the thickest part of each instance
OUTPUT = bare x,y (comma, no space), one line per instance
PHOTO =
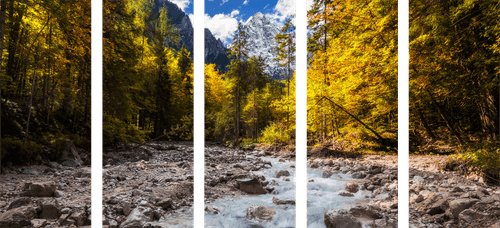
152,185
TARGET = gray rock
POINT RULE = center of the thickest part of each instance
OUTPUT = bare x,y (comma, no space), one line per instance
212,209
344,169
346,194
458,205
126,207
50,209
340,219
138,217
66,210
326,174
359,175
469,215
285,201
39,223
165,204
79,217
19,203
281,173
69,155
260,213
382,223
369,212
433,204
39,189
113,223
352,188
251,186
18,217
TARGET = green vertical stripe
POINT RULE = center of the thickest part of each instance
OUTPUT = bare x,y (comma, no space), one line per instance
198,114
96,113
403,114
301,113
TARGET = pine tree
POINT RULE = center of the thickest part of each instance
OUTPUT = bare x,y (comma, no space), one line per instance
238,53
319,24
286,50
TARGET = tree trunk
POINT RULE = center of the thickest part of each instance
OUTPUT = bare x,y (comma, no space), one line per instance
488,113
449,124
3,4
426,125
356,118
31,103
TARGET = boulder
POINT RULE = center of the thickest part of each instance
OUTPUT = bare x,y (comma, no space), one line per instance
285,201
18,217
458,205
19,203
126,207
326,174
39,223
260,213
138,217
352,188
50,209
39,189
433,204
369,212
281,173
340,219
468,216
79,217
68,155
251,186
165,204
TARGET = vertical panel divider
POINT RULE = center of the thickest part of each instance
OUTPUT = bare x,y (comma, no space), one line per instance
199,110
96,115
403,114
301,117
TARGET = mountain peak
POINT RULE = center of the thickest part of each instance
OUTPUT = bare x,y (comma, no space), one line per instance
257,17
258,14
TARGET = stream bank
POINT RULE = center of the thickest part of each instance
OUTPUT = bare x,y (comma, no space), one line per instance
153,183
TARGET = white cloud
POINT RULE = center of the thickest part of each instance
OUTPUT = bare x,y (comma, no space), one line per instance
222,26
283,9
183,4
245,2
224,1
234,13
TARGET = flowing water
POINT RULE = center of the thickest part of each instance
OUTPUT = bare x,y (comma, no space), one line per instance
322,195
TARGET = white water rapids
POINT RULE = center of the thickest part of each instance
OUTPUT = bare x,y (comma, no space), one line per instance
322,195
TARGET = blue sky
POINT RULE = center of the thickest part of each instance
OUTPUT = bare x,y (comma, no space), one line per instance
222,16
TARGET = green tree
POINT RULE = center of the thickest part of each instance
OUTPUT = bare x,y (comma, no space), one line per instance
238,52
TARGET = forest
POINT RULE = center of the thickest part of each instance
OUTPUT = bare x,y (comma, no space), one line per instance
45,78
352,79
453,78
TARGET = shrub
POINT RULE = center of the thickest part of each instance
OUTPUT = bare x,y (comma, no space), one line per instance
13,150
485,156
275,134
246,143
